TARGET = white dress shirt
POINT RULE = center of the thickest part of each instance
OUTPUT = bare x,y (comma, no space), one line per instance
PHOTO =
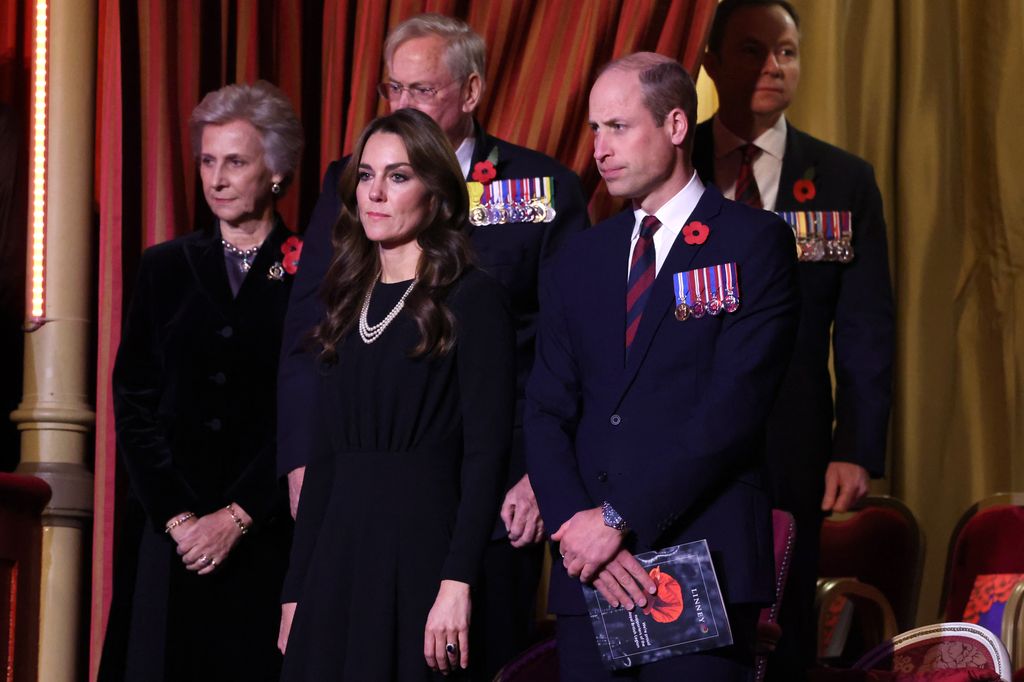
673,216
465,155
767,165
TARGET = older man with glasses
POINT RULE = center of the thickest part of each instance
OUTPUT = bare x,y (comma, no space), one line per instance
523,206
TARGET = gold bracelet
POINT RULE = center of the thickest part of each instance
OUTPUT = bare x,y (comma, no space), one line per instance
237,519
178,521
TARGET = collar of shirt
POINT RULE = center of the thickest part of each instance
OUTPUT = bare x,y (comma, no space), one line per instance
673,215
767,166
464,154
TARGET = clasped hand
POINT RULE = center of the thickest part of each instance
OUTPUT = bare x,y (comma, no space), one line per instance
521,515
593,552
204,542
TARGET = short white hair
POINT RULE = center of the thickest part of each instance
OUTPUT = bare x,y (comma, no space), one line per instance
266,108
465,54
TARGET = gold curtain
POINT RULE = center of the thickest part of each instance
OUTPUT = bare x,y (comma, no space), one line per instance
930,93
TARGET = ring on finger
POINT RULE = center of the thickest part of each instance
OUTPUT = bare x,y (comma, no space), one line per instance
213,562
204,560
450,648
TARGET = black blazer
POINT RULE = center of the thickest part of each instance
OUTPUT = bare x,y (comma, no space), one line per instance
195,380
514,254
849,305
673,436
194,402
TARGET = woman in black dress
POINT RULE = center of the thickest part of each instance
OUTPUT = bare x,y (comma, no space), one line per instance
416,403
205,536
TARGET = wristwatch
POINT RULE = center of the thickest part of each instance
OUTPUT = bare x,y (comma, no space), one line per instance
612,519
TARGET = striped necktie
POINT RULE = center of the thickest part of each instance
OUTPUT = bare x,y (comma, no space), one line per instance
641,276
746,184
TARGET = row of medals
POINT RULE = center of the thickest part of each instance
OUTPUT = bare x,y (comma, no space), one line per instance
714,306
533,211
819,249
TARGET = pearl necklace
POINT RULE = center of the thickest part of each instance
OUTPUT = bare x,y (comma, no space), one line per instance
370,333
245,255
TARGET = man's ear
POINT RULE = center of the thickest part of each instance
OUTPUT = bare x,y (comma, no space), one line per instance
472,91
677,125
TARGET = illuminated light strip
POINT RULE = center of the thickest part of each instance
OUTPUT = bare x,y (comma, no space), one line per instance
37,279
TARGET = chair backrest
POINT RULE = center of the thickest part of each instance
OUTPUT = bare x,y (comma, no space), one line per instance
784,535
539,663
986,541
881,526
22,499
944,646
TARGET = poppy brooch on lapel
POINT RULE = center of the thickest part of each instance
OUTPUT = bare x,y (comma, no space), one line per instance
804,189
484,172
291,250
695,232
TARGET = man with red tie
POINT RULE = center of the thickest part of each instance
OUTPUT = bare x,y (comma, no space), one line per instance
819,458
646,405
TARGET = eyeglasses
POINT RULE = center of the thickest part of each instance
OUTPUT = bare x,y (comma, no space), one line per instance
421,94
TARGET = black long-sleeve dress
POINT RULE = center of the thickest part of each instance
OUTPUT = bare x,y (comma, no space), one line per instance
194,400
403,487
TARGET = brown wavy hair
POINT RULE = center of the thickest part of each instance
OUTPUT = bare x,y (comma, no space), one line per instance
442,237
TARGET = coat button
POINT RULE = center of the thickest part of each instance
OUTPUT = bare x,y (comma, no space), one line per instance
218,378
602,476
227,331
615,420
213,424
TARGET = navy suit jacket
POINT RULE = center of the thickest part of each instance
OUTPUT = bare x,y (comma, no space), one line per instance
513,253
672,436
847,305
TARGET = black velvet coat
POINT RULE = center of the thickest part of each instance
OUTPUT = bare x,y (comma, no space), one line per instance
194,399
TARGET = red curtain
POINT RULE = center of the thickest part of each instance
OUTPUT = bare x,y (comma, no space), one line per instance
156,59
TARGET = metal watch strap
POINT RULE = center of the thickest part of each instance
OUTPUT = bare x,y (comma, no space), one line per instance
612,519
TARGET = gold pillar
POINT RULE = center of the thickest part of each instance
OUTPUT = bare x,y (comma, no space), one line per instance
55,416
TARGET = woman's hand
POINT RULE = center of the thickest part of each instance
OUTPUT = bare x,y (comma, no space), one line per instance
181,530
207,541
448,624
287,613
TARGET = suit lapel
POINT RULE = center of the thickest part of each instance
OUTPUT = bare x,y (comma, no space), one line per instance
794,165
662,300
609,291
206,258
258,280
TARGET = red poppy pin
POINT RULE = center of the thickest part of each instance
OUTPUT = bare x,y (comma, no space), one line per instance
484,172
695,232
291,249
804,190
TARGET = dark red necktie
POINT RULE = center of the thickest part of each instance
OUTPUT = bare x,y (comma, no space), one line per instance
746,185
641,276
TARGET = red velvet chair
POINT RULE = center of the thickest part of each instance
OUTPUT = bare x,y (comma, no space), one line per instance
22,499
852,545
988,539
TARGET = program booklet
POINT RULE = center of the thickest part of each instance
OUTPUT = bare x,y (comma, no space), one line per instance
687,614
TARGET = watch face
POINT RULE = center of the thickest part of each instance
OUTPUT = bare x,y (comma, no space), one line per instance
612,518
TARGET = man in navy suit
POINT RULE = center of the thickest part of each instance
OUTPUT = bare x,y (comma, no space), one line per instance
644,431
436,64
815,466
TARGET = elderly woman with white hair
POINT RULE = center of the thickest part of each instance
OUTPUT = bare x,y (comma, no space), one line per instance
205,536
